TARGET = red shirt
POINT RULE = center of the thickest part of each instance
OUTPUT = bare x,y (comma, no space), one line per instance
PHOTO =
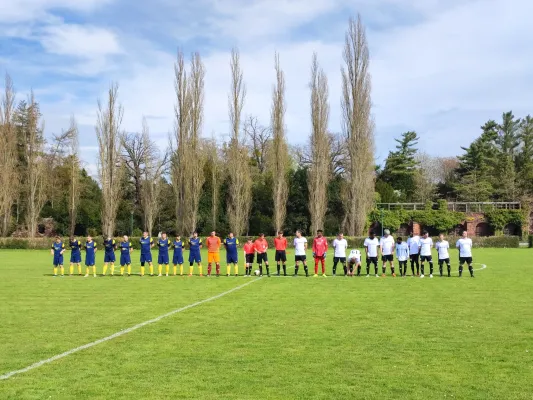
280,244
320,246
261,245
249,248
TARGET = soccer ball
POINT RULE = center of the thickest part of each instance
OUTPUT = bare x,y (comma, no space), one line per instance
256,272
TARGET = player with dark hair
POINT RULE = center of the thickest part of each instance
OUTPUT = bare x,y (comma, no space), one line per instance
75,255
402,253
300,249
464,245
57,250
261,247
386,248
426,243
371,245
280,244
195,245
163,244
413,241
442,247
232,257
249,253
320,248
339,245
146,252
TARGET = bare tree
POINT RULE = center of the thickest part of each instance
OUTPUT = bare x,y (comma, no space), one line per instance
110,166
240,183
74,181
259,137
427,176
152,169
215,176
319,172
337,154
8,156
133,154
358,128
279,159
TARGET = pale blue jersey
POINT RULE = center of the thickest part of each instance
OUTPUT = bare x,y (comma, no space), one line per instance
402,251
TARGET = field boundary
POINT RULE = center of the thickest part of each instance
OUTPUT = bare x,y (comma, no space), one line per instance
124,331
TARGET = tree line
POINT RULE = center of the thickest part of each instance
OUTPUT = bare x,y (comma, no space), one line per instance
254,181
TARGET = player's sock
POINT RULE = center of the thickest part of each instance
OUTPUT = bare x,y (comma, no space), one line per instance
278,266
236,269
367,269
105,269
228,269
267,269
323,266
167,268
159,269
335,268
79,269
142,271
383,269
345,269
94,270
376,269
121,270
55,271
129,269
62,270
392,270
200,269
440,269
306,270
260,269
209,268
284,269
422,269
71,269
191,270
316,266
296,268
181,269
112,269
471,269
460,270
413,268
151,269
175,269
430,268
87,270
449,269
217,266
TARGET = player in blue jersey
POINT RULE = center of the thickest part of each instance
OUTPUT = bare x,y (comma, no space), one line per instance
231,244
162,259
75,255
57,250
195,245
177,257
110,246
90,256
126,249
402,254
146,254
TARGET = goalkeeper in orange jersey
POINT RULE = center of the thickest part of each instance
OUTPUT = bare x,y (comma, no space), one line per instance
213,252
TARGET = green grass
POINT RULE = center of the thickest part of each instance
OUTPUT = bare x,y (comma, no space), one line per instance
342,338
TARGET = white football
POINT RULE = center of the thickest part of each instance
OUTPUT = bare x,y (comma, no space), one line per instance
256,272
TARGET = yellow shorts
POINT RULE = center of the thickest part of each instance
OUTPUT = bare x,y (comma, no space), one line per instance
213,258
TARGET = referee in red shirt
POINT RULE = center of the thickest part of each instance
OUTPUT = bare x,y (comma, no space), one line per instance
280,243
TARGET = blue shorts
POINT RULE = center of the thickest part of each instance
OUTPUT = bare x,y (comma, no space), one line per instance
109,257
232,259
195,257
177,259
146,257
58,260
89,261
162,259
125,259
75,258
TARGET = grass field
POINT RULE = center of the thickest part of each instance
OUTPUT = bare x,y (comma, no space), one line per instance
276,338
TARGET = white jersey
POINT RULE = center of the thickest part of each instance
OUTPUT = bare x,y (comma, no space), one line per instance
414,244
340,247
387,244
355,255
372,246
425,246
442,249
299,246
465,247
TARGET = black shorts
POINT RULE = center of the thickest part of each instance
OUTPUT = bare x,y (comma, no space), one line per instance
300,258
388,257
426,258
402,262
414,257
249,258
339,259
262,257
372,260
463,260
444,260
281,255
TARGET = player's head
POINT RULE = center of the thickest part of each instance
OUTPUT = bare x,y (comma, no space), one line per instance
230,235
399,239
89,238
58,239
386,232
178,237
425,234
280,233
261,236
213,233
164,235
465,234
299,233
108,237
250,240
441,236
319,233
145,234
125,238
195,234
372,234
340,235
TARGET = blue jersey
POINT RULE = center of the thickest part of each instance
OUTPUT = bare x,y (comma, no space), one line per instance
110,246
163,245
146,244
178,247
402,251
75,246
90,248
58,248
194,245
125,247
231,245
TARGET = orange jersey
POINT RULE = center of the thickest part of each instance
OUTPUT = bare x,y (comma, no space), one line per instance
261,245
320,246
249,248
280,244
213,244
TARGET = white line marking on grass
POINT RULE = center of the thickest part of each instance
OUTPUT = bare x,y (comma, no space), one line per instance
122,332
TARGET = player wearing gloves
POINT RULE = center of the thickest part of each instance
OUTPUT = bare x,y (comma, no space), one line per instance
320,248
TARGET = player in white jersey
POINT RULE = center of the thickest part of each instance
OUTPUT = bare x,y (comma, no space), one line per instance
371,249
339,245
414,252
300,248
354,261
443,247
426,243
386,248
464,245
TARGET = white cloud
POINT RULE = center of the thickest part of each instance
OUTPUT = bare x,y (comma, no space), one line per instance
14,11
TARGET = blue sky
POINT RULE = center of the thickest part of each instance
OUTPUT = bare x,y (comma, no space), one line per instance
439,67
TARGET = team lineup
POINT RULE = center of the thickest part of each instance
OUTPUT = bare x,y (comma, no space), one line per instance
416,250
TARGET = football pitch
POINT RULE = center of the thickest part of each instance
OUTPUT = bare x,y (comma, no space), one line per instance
268,338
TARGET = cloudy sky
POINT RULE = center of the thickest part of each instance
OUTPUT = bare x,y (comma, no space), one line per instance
440,67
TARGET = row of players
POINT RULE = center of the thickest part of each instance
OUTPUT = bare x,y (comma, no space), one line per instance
416,249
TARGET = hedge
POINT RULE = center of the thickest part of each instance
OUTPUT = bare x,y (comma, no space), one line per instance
353,242
530,241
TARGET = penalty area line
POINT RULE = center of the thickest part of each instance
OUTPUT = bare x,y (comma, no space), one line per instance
122,332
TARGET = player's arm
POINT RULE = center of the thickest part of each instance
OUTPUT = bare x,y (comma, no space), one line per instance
131,248
152,243
52,250
95,248
200,244
62,248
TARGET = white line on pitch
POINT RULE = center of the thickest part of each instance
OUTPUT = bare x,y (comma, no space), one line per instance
122,332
